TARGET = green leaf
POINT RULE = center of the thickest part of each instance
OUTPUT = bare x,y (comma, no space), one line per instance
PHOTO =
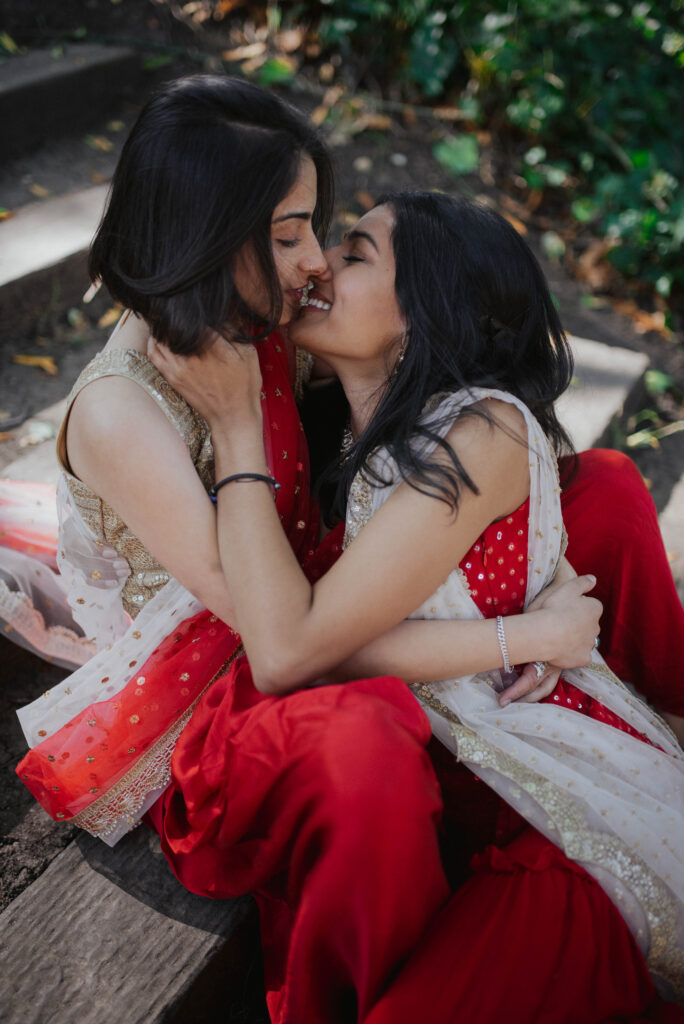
553,245
657,382
535,156
153,63
7,43
460,154
276,71
663,285
585,210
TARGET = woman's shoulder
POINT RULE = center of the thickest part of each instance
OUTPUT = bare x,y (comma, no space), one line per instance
118,399
471,416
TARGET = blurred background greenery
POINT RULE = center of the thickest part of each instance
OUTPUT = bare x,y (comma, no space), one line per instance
572,108
585,95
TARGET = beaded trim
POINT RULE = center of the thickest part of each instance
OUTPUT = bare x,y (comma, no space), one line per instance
151,771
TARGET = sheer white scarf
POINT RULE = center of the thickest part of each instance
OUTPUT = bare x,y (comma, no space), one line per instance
611,802
92,577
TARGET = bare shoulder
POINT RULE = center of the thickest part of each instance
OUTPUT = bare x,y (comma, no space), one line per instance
500,424
112,405
493,449
115,416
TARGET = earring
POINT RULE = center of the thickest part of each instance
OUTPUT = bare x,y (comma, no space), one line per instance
400,356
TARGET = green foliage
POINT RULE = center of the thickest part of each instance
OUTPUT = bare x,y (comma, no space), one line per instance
458,153
276,72
589,90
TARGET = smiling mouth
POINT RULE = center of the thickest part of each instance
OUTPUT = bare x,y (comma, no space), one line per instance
309,301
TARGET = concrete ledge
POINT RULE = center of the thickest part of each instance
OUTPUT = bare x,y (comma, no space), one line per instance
100,924
45,96
605,378
43,259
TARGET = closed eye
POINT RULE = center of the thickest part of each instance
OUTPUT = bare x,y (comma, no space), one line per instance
353,259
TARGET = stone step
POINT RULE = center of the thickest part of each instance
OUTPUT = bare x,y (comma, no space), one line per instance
43,252
672,527
103,929
63,91
606,381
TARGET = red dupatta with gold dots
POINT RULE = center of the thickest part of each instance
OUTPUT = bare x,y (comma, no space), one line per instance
102,741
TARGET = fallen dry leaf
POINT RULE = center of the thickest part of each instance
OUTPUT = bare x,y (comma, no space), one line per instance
38,432
364,199
244,52
290,39
642,320
330,98
115,126
46,363
346,218
372,122
326,72
39,191
100,142
517,224
6,214
5,435
110,317
593,269
448,113
97,178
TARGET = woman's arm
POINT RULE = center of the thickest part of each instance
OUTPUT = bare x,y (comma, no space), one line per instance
123,447
295,633
421,650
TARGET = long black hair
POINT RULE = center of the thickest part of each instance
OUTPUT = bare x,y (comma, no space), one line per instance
206,163
479,314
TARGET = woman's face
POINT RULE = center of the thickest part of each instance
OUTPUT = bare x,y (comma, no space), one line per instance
352,313
296,252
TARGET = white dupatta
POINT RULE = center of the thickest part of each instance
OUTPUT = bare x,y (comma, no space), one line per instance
611,802
93,576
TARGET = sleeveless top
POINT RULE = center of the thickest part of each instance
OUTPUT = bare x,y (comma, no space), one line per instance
147,576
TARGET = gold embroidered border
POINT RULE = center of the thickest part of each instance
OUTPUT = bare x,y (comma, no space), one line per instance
583,844
151,771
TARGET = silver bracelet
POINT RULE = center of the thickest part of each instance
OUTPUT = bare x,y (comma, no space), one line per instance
501,636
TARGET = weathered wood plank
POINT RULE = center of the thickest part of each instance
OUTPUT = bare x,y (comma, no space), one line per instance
109,935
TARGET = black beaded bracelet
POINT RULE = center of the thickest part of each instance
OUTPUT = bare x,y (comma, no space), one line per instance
213,491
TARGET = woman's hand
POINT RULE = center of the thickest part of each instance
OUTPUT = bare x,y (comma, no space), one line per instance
531,687
222,383
573,619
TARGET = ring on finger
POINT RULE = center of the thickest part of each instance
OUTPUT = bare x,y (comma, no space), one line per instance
539,668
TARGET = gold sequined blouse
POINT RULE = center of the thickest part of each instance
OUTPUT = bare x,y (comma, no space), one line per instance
147,575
